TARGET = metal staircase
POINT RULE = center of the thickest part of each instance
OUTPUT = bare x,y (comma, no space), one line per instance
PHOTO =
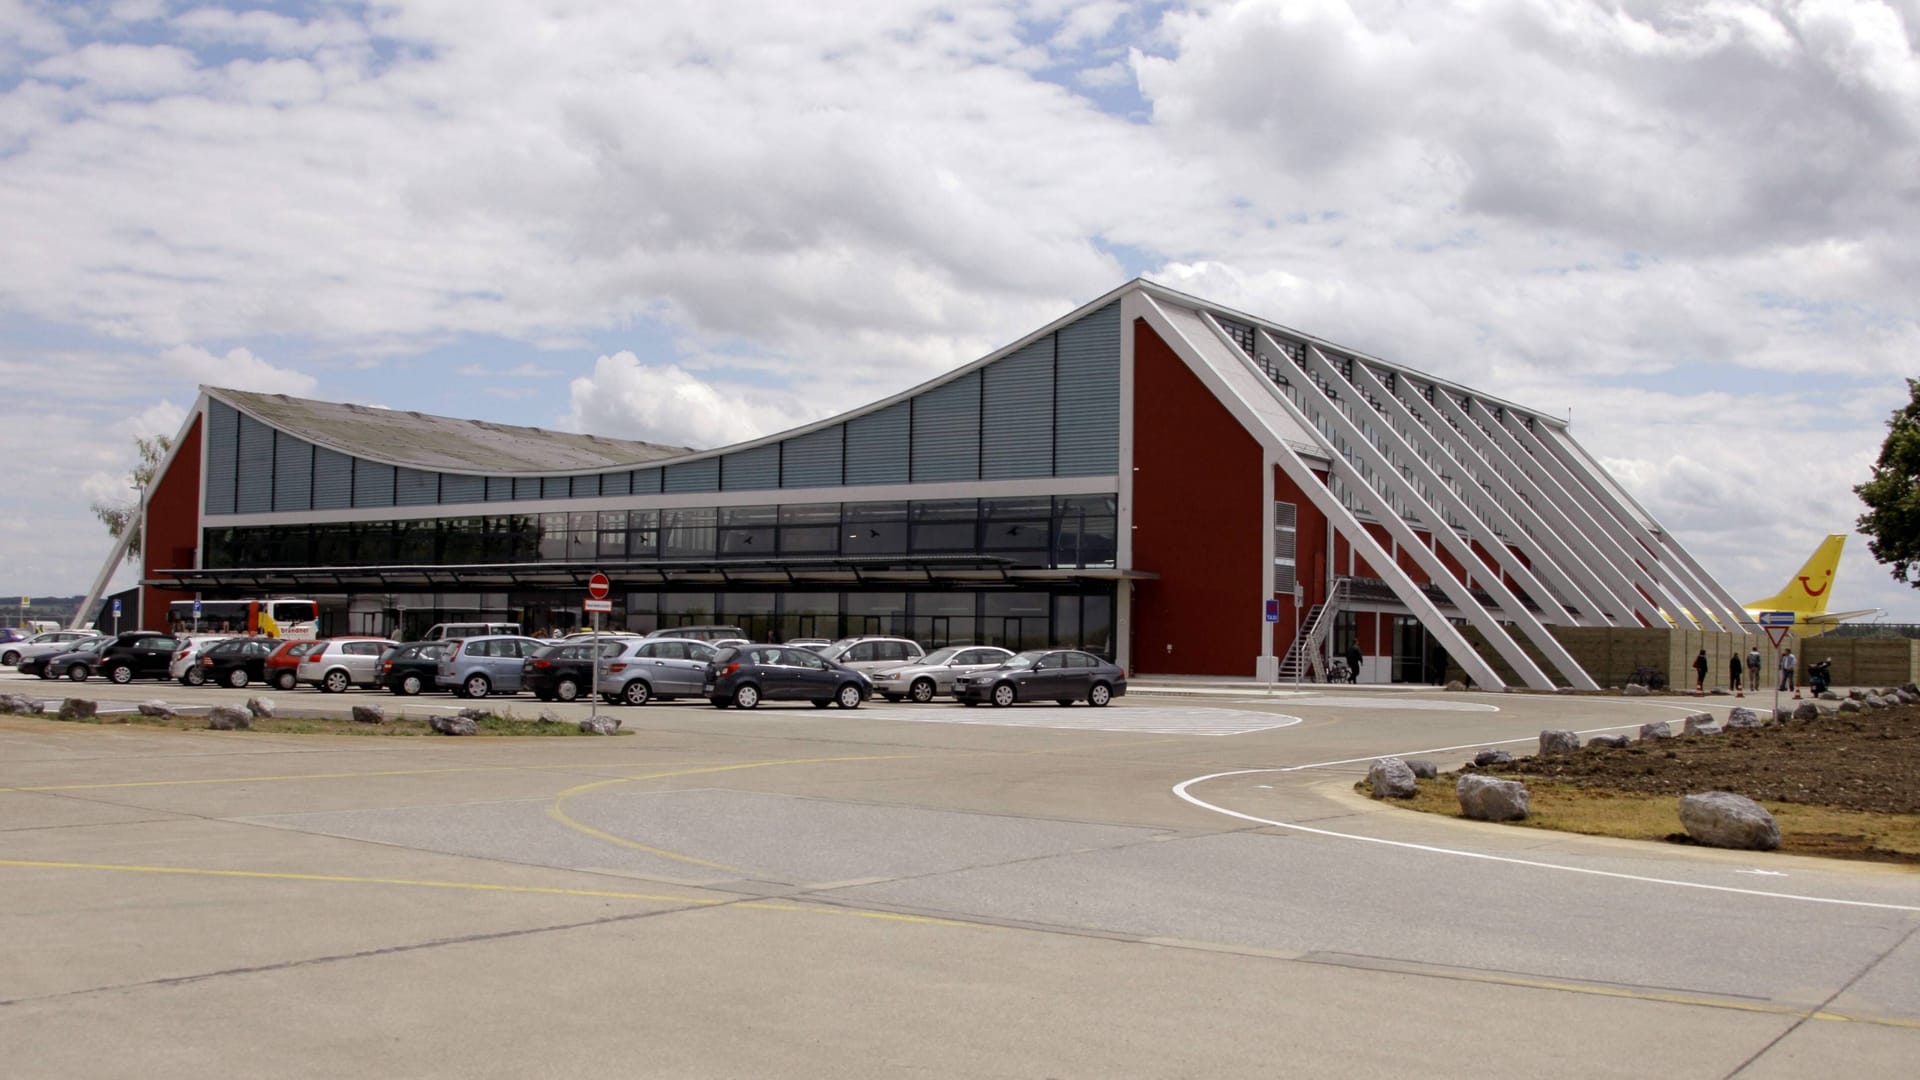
1307,659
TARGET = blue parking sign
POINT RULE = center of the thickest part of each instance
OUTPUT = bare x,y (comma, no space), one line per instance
1273,611
196,608
116,607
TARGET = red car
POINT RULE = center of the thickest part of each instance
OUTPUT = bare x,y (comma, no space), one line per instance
282,665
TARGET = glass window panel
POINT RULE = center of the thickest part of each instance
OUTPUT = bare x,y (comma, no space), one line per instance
1096,624
947,525
878,528
810,529
876,613
643,534
643,611
463,541
686,609
687,534
747,532
613,533
553,537
1085,530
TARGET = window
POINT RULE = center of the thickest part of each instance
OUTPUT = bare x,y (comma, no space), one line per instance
362,648
583,536
1085,530
946,525
643,535
874,529
553,537
687,534
748,532
1017,528
613,534
1285,517
812,529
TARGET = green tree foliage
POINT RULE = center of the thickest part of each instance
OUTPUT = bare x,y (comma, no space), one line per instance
1892,520
119,517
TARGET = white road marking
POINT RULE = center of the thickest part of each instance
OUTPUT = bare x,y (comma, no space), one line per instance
1180,791
1157,720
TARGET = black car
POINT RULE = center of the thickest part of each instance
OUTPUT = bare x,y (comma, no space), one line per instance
136,654
746,675
76,663
1062,676
238,661
409,668
564,671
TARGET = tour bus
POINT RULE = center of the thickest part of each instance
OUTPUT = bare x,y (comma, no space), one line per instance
295,620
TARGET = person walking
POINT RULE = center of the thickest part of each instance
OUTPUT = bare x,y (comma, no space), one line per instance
1353,663
1754,661
1786,670
1700,672
1733,674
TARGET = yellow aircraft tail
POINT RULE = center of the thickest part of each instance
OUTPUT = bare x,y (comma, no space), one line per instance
1808,591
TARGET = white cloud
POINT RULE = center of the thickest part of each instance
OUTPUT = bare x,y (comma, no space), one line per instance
664,403
239,369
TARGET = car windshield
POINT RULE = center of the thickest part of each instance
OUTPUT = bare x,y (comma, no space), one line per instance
941,656
1022,660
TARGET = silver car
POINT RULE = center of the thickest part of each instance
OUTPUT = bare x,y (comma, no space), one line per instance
869,654
933,673
650,668
51,643
342,662
477,666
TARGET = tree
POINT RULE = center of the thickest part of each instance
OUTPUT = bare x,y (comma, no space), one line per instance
120,517
1892,520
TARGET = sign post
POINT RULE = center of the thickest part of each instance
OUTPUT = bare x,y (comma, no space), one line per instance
196,614
116,616
1271,614
598,589
1779,626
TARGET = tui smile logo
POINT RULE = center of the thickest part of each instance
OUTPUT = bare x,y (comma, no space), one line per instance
1811,591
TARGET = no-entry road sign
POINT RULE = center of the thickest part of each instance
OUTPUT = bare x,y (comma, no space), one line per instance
598,586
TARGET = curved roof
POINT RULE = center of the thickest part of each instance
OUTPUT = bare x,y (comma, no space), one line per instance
445,443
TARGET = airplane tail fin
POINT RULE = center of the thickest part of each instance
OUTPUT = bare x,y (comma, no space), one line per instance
1808,591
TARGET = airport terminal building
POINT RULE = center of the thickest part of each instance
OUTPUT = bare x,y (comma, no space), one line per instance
1184,488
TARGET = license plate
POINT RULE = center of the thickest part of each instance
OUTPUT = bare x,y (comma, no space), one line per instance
709,688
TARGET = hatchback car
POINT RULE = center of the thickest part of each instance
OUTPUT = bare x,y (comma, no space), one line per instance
744,677
136,654
283,667
1063,676
933,674
655,668
185,665
565,671
31,657
870,653
408,669
477,666
12,652
76,663
339,663
237,662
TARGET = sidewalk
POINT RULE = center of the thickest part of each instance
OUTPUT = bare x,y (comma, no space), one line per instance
1219,686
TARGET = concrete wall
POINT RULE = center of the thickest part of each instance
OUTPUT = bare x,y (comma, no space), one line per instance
1612,655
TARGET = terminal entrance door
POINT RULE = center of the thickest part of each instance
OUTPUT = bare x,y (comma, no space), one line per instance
1417,657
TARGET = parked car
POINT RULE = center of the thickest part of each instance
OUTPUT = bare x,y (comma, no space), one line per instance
136,654
699,633
932,675
188,648
283,667
339,663
870,653
26,653
237,661
649,668
450,631
76,663
1062,676
410,668
11,634
12,652
564,671
744,677
814,643
477,666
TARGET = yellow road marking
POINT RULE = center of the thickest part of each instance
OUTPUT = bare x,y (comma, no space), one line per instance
262,779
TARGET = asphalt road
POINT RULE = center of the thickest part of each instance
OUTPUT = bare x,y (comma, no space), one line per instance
1169,887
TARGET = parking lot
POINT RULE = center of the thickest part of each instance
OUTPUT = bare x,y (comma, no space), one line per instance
1170,886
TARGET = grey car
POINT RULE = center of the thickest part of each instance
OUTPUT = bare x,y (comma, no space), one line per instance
343,662
477,666
933,674
51,643
869,654
1062,676
650,668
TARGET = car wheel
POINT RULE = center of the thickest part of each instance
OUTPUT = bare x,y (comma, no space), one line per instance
849,696
922,690
567,690
10,657
636,692
477,686
120,674
77,673
1003,695
409,685
1100,694
820,702
334,682
284,680
195,676
747,697
237,678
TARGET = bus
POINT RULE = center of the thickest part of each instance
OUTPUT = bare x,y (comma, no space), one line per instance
297,620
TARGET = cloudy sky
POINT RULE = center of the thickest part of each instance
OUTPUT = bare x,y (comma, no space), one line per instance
1695,225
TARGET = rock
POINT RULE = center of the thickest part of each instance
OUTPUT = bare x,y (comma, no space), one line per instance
1487,798
1874,701
1912,688
1554,742
1857,694
454,725
1827,695
1723,819
600,725
158,709
1694,721
1634,689
1781,716
1456,686
1851,706
1704,729
1390,778
548,716
1424,769
261,707
1739,716
1491,756
1807,710
1906,698
474,714
369,714
21,703
1659,729
78,709
228,718
9,704
1617,742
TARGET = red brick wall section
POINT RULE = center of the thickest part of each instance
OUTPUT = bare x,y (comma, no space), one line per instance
1197,523
172,528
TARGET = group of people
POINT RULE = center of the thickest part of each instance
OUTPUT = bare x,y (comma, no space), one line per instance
1818,675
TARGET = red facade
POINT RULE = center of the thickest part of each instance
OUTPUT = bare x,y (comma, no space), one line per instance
172,528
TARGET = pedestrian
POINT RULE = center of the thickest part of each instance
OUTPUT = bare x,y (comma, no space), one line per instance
1700,672
1754,663
1786,669
1733,672
1353,663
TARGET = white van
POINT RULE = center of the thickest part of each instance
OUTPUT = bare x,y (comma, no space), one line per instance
448,631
